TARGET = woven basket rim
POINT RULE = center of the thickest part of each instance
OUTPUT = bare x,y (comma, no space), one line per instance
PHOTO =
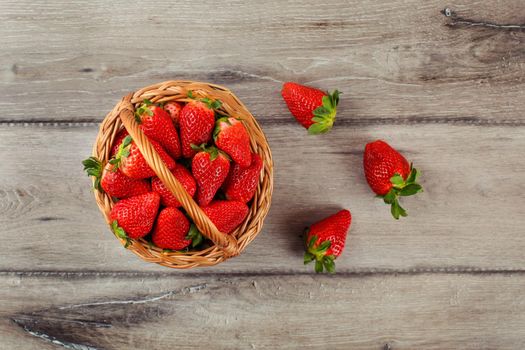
176,90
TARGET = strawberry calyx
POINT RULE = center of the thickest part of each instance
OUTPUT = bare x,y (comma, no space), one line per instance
402,188
324,115
219,127
195,235
144,108
318,253
123,151
212,104
93,167
120,233
212,150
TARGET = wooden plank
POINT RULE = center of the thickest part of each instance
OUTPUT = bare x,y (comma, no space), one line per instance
399,60
439,311
469,218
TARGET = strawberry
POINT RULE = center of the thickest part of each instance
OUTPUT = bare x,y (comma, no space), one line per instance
173,108
197,120
132,163
226,215
111,180
313,108
390,175
121,135
171,230
241,183
166,197
210,168
231,136
325,240
157,125
134,217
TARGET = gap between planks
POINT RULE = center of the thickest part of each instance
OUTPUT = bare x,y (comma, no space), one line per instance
459,270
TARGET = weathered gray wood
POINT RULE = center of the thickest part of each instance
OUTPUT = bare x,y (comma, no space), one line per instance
470,217
446,89
437,311
68,60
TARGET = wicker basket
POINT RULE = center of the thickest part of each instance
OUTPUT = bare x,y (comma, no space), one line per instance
225,246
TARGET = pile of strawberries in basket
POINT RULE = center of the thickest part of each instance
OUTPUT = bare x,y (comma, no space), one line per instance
208,153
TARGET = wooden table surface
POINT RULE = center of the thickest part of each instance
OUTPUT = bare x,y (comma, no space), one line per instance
444,82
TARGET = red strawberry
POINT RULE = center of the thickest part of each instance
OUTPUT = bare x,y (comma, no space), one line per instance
173,108
118,140
325,240
231,136
171,230
313,108
112,181
166,197
134,217
196,119
389,175
226,215
132,163
210,168
241,183
157,125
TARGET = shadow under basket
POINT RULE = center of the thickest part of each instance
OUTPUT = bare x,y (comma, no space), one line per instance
224,246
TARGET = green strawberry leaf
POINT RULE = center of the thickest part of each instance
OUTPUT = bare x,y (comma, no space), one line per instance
119,232
329,264
126,142
214,153
412,177
308,258
202,147
390,197
335,97
321,111
394,210
216,104
397,210
327,101
190,94
93,167
195,235
410,190
147,102
312,241
318,128
318,266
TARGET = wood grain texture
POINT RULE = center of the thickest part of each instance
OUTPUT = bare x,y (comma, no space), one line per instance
403,61
469,217
436,311
441,81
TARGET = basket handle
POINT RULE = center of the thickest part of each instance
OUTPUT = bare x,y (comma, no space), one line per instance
227,243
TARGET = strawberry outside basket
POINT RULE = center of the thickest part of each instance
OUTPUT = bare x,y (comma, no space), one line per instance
224,246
